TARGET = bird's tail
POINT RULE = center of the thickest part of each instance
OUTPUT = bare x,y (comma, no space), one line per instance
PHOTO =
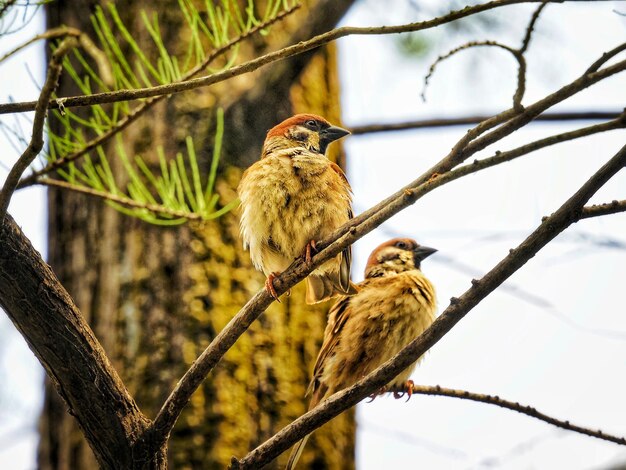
321,287
296,453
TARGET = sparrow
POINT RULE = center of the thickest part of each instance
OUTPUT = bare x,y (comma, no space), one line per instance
393,306
293,196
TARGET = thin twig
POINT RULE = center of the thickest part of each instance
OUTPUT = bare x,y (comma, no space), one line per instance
469,45
86,43
465,120
436,390
123,123
550,227
531,28
36,143
54,33
606,57
518,54
608,208
254,64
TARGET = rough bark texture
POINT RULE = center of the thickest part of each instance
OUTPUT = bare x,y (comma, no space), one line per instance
156,296
57,333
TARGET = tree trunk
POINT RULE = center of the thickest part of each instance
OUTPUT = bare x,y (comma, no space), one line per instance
155,297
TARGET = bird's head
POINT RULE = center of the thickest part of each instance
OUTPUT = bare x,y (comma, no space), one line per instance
395,256
304,130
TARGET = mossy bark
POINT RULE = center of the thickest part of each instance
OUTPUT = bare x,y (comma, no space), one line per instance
155,297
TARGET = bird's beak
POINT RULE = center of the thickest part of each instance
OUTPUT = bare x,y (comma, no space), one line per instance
422,252
333,133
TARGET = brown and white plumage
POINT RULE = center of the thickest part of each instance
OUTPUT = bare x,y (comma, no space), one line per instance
294,196
394,305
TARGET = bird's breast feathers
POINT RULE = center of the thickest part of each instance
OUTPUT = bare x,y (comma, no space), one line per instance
407,294
288,199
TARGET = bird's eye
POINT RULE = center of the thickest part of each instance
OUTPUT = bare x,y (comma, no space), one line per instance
402,245
311,124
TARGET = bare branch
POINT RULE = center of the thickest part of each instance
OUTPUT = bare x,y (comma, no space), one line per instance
518,54
459,121
502,157
510,405
596,210
566,215
254,64
34,147
86,43
531,28
606,57
514,52
50,34
123,123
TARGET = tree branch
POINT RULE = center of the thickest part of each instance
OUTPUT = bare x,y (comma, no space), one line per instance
254,64
57,333
517,55
465,120
531,28
608,208
567,214
502,157
36,143
606,57
54,33
436,390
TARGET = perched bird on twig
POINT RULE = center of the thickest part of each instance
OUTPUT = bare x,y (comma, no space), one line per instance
292,197
394,305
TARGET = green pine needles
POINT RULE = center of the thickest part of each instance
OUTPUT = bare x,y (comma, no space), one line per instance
177,189
171,196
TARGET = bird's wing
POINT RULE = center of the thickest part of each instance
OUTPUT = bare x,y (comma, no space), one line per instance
346,255
337,317
344,266
337,169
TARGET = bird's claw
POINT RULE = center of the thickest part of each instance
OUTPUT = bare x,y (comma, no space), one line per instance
269,285
408,390
375,394
311,248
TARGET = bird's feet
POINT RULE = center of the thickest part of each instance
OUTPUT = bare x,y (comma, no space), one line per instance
309,250
380,391
269,285
408,390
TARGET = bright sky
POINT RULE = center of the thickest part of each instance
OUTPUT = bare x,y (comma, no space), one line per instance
21,375
553,337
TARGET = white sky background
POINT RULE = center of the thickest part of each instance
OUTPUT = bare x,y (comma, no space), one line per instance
544,351
553,337
21,375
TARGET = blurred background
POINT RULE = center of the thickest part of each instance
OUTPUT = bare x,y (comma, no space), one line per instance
553,336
